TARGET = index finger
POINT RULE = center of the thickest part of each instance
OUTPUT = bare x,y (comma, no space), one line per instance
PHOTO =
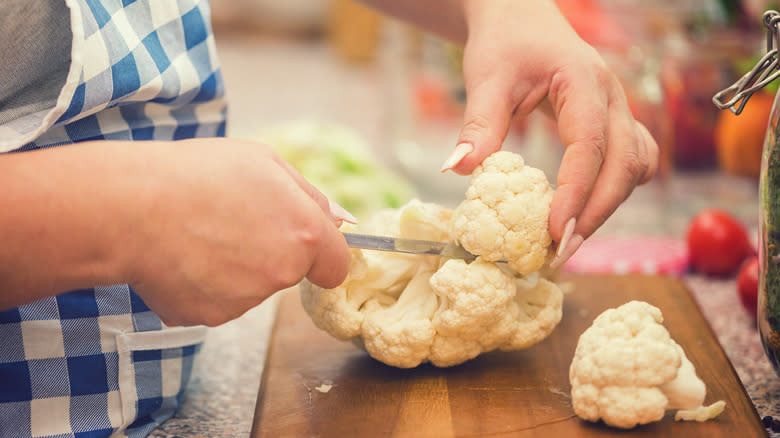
336,212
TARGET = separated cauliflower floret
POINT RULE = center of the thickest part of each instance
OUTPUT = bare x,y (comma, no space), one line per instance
405,310
505,214
627,370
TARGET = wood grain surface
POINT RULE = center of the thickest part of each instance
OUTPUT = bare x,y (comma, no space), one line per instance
515,394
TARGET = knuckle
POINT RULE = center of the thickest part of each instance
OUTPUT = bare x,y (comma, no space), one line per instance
311,234
476,123
596,145
634,166
298,264
302,246
605,76
287,277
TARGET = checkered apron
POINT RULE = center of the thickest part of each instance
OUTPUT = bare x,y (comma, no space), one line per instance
97,362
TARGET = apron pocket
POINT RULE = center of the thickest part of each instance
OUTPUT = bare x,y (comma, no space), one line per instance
154,368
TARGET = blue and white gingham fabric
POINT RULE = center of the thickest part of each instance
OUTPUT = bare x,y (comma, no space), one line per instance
141,70
90,363
97,362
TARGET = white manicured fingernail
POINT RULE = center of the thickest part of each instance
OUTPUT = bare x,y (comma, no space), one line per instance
568,230
571,247
457,155
339,213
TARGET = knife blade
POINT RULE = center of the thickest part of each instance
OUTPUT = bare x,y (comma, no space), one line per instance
409,246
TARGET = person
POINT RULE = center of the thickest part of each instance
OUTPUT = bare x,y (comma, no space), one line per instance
129,222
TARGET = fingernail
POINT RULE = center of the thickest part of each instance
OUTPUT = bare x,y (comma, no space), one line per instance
339,213
567,232
571,247
460,152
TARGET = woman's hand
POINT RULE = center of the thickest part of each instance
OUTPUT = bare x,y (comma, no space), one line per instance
226,224
203,230
521,55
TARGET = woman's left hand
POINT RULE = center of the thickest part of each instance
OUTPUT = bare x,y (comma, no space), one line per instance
520,56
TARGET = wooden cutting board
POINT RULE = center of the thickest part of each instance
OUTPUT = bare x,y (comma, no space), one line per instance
523,393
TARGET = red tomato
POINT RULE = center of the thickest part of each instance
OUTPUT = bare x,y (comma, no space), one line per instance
718,244
747,285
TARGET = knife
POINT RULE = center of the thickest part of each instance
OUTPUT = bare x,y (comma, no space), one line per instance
410,246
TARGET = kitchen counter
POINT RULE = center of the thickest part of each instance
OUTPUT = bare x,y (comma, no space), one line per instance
272,81
222,394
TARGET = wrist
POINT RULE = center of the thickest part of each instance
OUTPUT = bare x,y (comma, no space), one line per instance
493,13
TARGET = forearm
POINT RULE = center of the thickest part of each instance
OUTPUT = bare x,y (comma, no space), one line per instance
452,19
59,219
442,17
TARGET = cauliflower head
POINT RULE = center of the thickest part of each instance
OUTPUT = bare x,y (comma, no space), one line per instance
627,371
405,310
505,213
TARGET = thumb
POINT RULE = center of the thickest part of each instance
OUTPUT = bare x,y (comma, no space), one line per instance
486,122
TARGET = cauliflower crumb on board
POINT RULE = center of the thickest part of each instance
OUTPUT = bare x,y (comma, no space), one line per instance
702,413
628,371
405,309
324,388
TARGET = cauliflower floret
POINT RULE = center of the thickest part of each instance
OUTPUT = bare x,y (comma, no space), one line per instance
401,334
476,311
505,213
337,310
541,309
425,221
627,370
405,310
473,297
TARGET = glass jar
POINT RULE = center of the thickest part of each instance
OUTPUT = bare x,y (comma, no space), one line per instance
735,98
769,242
693,68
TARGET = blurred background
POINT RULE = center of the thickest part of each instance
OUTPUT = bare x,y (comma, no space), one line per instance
368,108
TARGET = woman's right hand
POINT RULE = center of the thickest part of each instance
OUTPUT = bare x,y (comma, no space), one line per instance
203,230
221,224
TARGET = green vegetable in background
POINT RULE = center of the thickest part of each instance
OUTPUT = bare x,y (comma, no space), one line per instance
339,162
